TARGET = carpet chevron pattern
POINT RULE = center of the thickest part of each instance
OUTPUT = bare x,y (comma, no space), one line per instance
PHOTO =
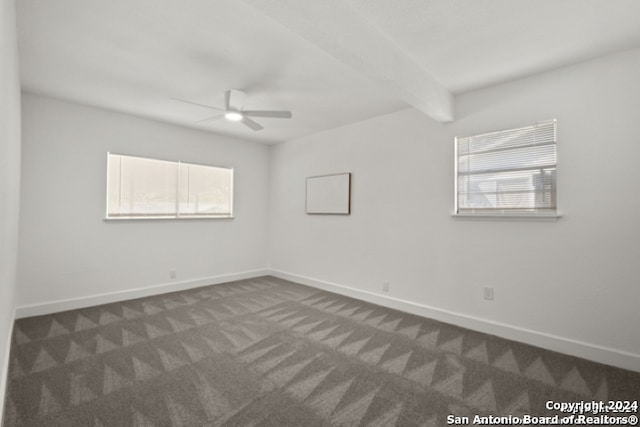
268,352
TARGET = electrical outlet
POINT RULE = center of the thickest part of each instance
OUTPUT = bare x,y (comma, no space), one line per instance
488,293
173,273
385,286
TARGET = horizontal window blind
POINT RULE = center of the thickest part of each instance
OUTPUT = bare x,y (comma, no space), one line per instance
509,171
139,187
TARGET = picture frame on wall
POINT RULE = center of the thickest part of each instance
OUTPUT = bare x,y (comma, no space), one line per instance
328,194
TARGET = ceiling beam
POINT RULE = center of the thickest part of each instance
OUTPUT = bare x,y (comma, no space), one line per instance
342,32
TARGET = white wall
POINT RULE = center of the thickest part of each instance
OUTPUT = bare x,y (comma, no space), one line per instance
66,248
9,177
555,282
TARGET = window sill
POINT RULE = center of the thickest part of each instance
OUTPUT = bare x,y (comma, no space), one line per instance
168,218
509,217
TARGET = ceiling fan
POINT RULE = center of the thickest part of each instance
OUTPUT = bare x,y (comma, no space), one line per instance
233,111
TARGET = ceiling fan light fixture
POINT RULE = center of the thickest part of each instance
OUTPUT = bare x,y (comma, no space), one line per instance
236,113
233,116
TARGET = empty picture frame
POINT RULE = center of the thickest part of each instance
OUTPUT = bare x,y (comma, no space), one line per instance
329,194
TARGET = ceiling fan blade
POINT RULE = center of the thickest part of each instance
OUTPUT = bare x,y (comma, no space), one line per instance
195,103
227,99
268,113
211,119
251,124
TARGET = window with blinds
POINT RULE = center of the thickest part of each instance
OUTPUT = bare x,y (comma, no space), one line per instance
139,187
507,172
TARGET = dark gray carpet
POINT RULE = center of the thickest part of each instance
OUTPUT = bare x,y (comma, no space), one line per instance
267,352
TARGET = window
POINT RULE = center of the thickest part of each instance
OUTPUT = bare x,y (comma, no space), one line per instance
507,172
138,187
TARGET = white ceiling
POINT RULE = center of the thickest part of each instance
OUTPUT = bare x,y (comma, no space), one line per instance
470,44
332,63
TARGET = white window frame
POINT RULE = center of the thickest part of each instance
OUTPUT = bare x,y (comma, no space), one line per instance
177,214
533,214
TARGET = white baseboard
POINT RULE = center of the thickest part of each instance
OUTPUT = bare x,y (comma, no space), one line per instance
596,353
5,366
106,298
